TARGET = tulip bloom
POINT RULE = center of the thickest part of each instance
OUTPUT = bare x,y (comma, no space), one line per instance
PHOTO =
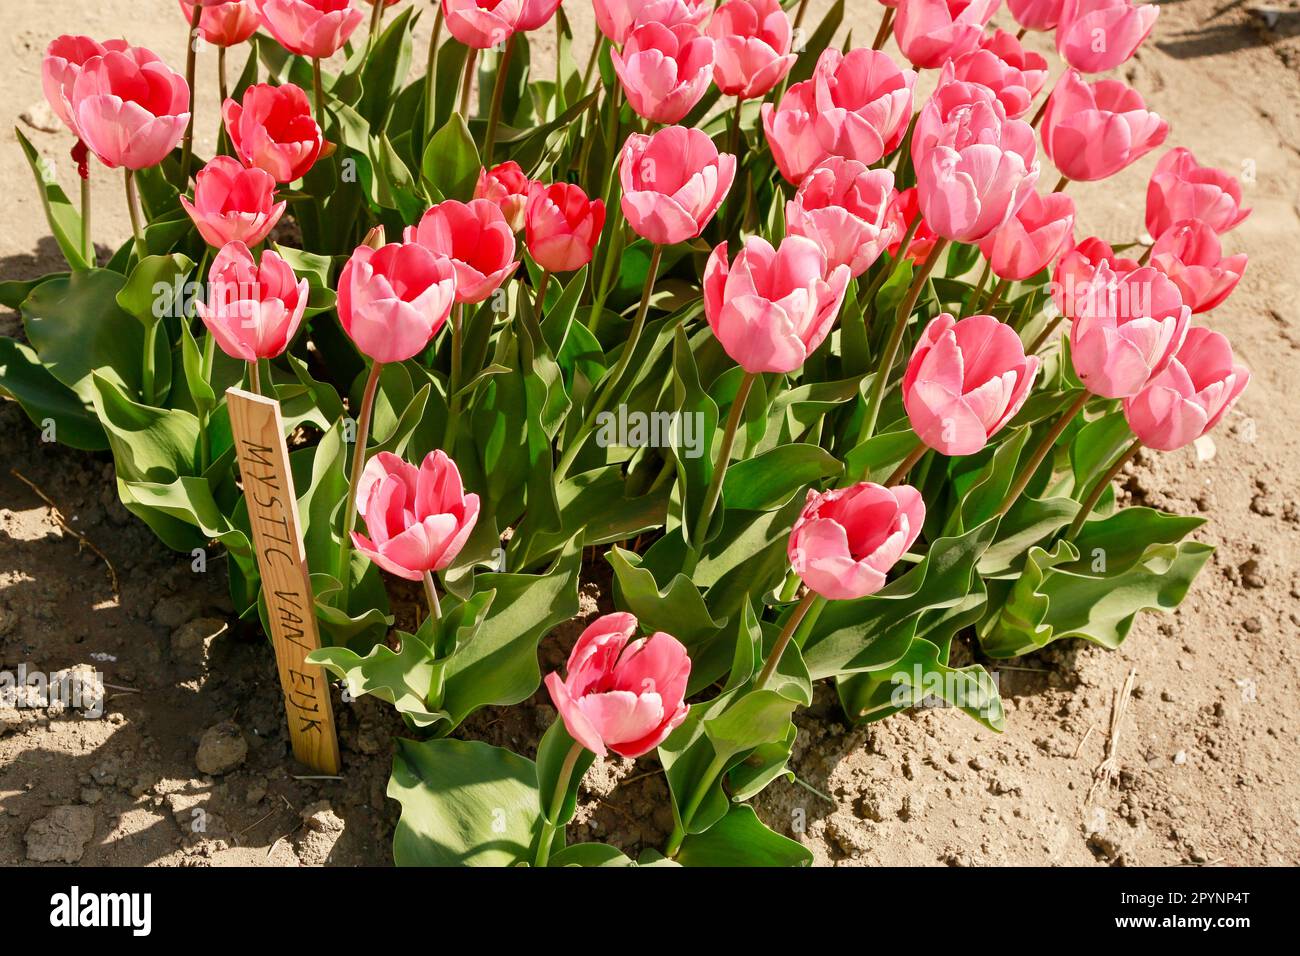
1098,35
394,299
562,226
478,241
618,18
1077,268
1038,15
846,540
843,206
1028,242
664,71
1014,74
311,28
1189,253
903,211
1126,330
673,182
536,14
1181,188
771,308
481,24
64,58
1091,131
965,381
507,187
225,23
931,32
233,204
1189,397
273,129
418,518
129,107
253,312
622,694
751,47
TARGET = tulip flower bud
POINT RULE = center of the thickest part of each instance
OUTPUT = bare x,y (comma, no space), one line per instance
129,107
253,311
232,203
751,47
507,186
393,300
673,182
664,71
1181,188
273,129
477,240
311,28
562,226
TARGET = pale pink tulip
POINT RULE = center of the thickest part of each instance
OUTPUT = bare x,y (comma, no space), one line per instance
1015,74
618,18
1029,241
843,206
931,32
751,47
1077,268
664,70
1189,253
311,28
1098,35
232,203
129,107
482,23
1181,188
225,23
673,182
64,58
394,299
1092,131
253,311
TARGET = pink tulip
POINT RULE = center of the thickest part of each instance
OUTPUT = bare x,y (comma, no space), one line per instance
1028,242
791,133
1077,268
965,381
233,204
482,23
1098,35
1181,188
751,47
673,182
394,299
930,32
1189,397
562,226
843,206
273,129
129,107
846,540
253,312
1189,253
418,518
1091,131
622,694
618,18
903,211
478,241
225,23
1126,329
1038,15
506,186
1015,74
664,71
311,28
535,14
64,58
771,308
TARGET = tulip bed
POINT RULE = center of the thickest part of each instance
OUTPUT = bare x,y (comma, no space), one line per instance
818,368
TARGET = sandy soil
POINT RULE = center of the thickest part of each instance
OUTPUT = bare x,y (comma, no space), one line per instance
1208,747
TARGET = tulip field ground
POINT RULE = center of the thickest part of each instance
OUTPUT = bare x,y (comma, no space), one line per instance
188,766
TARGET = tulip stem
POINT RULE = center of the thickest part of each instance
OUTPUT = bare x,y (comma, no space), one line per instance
1042,336
613,389
799,14
995,296
783,640
467,82
1038,117
1044,446
549,825
539,302
87,243
882,34
318,87
1102,483
714,491
254,378
711,772
453,383
977,293
1061,184
133,207
376,23
498,95
431,595
358,466
431,72
896,339
191,62
1020,34
908,463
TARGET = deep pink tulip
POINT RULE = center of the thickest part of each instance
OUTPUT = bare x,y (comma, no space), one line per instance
903,211
999,62
394,299
505,185
931,32
843,206
225,23
664,70
1040,15
253,311
311,28
791,133
618,18
535,14
1189,253
64,58
965,381
1181,188
1077,268
771,308
418,518
1029,241
1126,329
273,129
482,23
751,47
476,238
232,203
1092,131
622,694
846,540
1098,35
673,182
130,108
1190,396
562,226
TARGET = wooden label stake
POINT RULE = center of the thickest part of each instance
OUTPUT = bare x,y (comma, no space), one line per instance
286,585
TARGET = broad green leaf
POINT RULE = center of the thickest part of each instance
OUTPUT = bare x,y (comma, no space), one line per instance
44,398
64,220
741,839
768,480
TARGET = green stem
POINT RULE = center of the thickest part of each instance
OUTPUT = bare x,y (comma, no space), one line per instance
223,85
549,825
467,82
539,302
1038,117
1041,451
714,491
972,307
358,466
592,60
1099,488
1043,336
783,640
318,86
133,207
254,378
87,244
147,384
376,22
191,62
908,463
799,14
431,595
882,34
431,72
453,384
688,813
498,95
559,65
995,296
